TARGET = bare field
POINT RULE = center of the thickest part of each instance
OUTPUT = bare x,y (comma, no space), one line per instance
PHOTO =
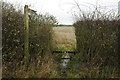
64,37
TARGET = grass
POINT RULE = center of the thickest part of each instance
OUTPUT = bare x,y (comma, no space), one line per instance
48,68
64,38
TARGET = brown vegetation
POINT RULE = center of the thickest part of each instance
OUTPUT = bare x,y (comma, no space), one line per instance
64,36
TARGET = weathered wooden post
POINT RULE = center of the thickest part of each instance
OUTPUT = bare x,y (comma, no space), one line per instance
26,36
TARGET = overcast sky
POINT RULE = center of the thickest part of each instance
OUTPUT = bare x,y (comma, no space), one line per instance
63,9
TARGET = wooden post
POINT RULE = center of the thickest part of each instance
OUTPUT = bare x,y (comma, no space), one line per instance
26,36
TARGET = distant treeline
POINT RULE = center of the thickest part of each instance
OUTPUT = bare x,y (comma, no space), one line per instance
62,25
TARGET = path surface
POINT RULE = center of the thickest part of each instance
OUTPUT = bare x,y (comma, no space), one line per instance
64,37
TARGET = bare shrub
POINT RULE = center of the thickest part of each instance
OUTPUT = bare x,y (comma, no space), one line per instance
96,36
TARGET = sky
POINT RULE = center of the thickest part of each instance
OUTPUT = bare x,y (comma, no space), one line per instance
63,9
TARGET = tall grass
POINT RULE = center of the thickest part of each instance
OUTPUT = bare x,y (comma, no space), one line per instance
64,38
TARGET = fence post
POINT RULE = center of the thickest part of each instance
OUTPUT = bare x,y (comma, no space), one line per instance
26,36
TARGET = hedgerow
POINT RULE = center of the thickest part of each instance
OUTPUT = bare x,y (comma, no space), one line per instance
40,38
